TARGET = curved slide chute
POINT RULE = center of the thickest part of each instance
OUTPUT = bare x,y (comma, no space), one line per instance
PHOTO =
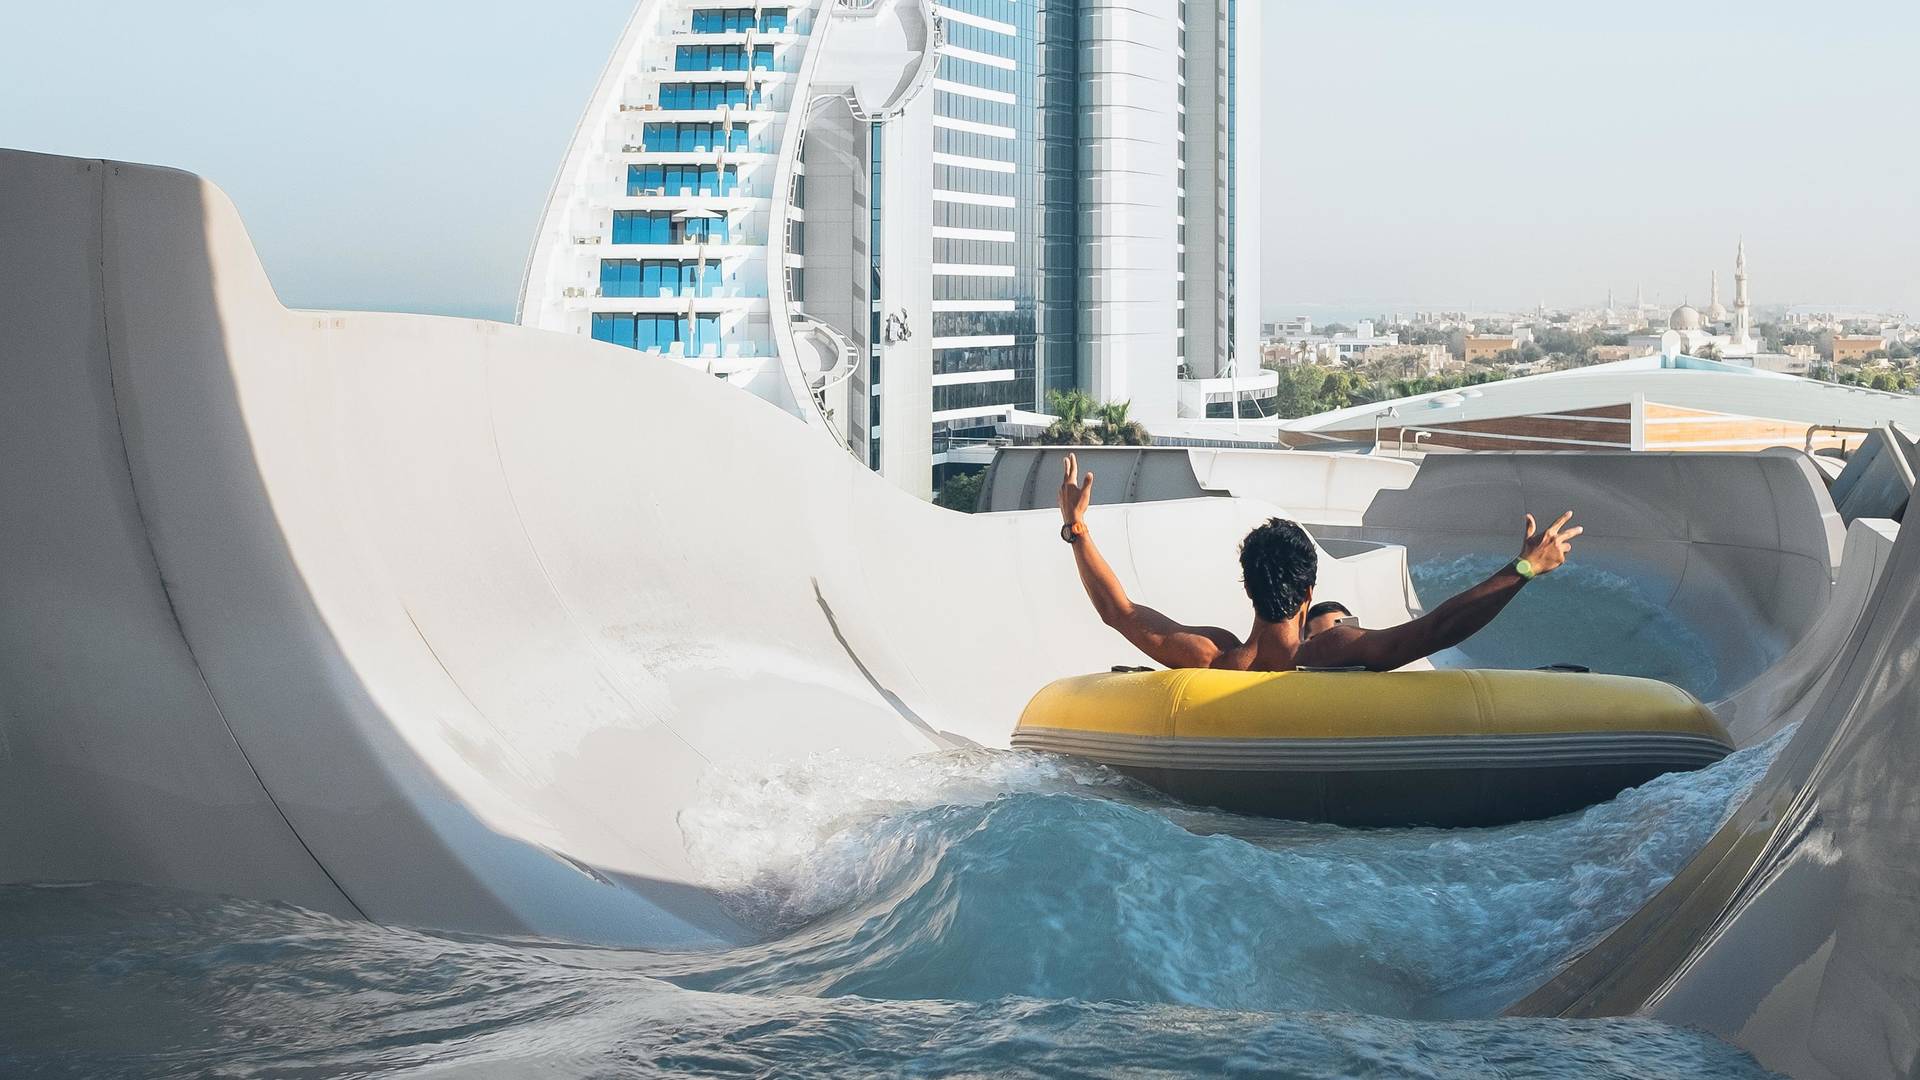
440,621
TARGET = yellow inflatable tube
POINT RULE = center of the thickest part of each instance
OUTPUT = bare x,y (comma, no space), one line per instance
1451,747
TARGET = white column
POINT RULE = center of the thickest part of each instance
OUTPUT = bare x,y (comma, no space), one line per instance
1129,87
1249,95
906,289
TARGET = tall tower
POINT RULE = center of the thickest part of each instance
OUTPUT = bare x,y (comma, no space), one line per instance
903,221
1742,306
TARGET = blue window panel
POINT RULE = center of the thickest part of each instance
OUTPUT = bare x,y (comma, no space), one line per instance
707,95
711,230
692,137
736,20
643,226
722,58
682,179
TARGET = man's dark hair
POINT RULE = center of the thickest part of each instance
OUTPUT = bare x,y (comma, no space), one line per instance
1278,565
1328,607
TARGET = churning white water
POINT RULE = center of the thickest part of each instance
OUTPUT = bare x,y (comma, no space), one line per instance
973,912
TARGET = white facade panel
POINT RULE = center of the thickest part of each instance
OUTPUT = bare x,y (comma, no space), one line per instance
1128,147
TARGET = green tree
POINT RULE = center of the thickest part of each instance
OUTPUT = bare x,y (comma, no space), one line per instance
1117,428
1338,390
1072,409
1299,391
962,491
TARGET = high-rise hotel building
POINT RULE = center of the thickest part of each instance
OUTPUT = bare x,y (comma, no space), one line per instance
902,221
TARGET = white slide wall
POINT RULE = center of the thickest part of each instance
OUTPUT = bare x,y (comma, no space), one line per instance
441,621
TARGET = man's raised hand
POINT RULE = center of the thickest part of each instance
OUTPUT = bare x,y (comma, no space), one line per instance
1074,497
1548,550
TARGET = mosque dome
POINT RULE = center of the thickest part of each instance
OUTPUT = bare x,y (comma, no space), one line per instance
1685,317
1717,313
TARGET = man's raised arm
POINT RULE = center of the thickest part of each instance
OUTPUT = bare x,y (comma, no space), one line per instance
1165,641
1451,623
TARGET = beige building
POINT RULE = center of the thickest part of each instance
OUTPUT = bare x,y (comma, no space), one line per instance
1480,347
1421,359
1852,348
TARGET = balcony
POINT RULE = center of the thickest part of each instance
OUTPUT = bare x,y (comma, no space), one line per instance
749,297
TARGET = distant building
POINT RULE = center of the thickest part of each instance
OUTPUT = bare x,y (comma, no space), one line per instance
1853,348
1480,348
1335,348
1797,360
1714,332
1297,327
904,224
1658,403
1421,359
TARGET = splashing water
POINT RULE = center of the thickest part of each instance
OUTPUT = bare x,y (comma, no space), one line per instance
1019,874
965,912
1578,614
109,981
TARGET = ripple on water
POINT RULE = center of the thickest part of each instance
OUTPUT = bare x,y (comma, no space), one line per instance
968,912
119,981
982,874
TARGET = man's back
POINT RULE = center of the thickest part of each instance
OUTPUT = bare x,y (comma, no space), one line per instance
1278,566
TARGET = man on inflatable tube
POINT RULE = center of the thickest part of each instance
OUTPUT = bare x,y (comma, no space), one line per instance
1278,566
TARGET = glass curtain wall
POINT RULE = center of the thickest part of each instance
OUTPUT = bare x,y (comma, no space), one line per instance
1004,208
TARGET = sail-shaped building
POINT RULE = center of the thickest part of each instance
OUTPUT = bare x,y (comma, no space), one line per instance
906,222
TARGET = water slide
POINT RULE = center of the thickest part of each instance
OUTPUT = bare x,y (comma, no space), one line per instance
439,622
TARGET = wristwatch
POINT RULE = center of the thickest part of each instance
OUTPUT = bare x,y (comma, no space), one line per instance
1523,568
1073,530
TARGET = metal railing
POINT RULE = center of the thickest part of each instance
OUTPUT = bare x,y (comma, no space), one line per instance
1837,429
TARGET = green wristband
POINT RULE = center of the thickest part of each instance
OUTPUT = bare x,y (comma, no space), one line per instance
1523,568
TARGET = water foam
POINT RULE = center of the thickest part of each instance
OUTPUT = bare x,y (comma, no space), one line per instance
115,981
981,874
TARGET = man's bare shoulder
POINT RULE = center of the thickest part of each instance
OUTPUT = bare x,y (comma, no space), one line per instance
1226,639
1225,645
1336,646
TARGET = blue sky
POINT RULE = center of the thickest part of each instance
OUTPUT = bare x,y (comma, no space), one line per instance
1473,152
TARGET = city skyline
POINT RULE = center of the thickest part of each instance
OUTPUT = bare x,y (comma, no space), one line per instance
1403,169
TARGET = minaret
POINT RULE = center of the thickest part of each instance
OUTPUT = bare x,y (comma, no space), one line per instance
1742,310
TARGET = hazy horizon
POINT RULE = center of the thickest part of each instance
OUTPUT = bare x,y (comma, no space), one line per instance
1492,155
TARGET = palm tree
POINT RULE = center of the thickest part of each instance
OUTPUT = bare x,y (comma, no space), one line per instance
1072,409
1118,429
